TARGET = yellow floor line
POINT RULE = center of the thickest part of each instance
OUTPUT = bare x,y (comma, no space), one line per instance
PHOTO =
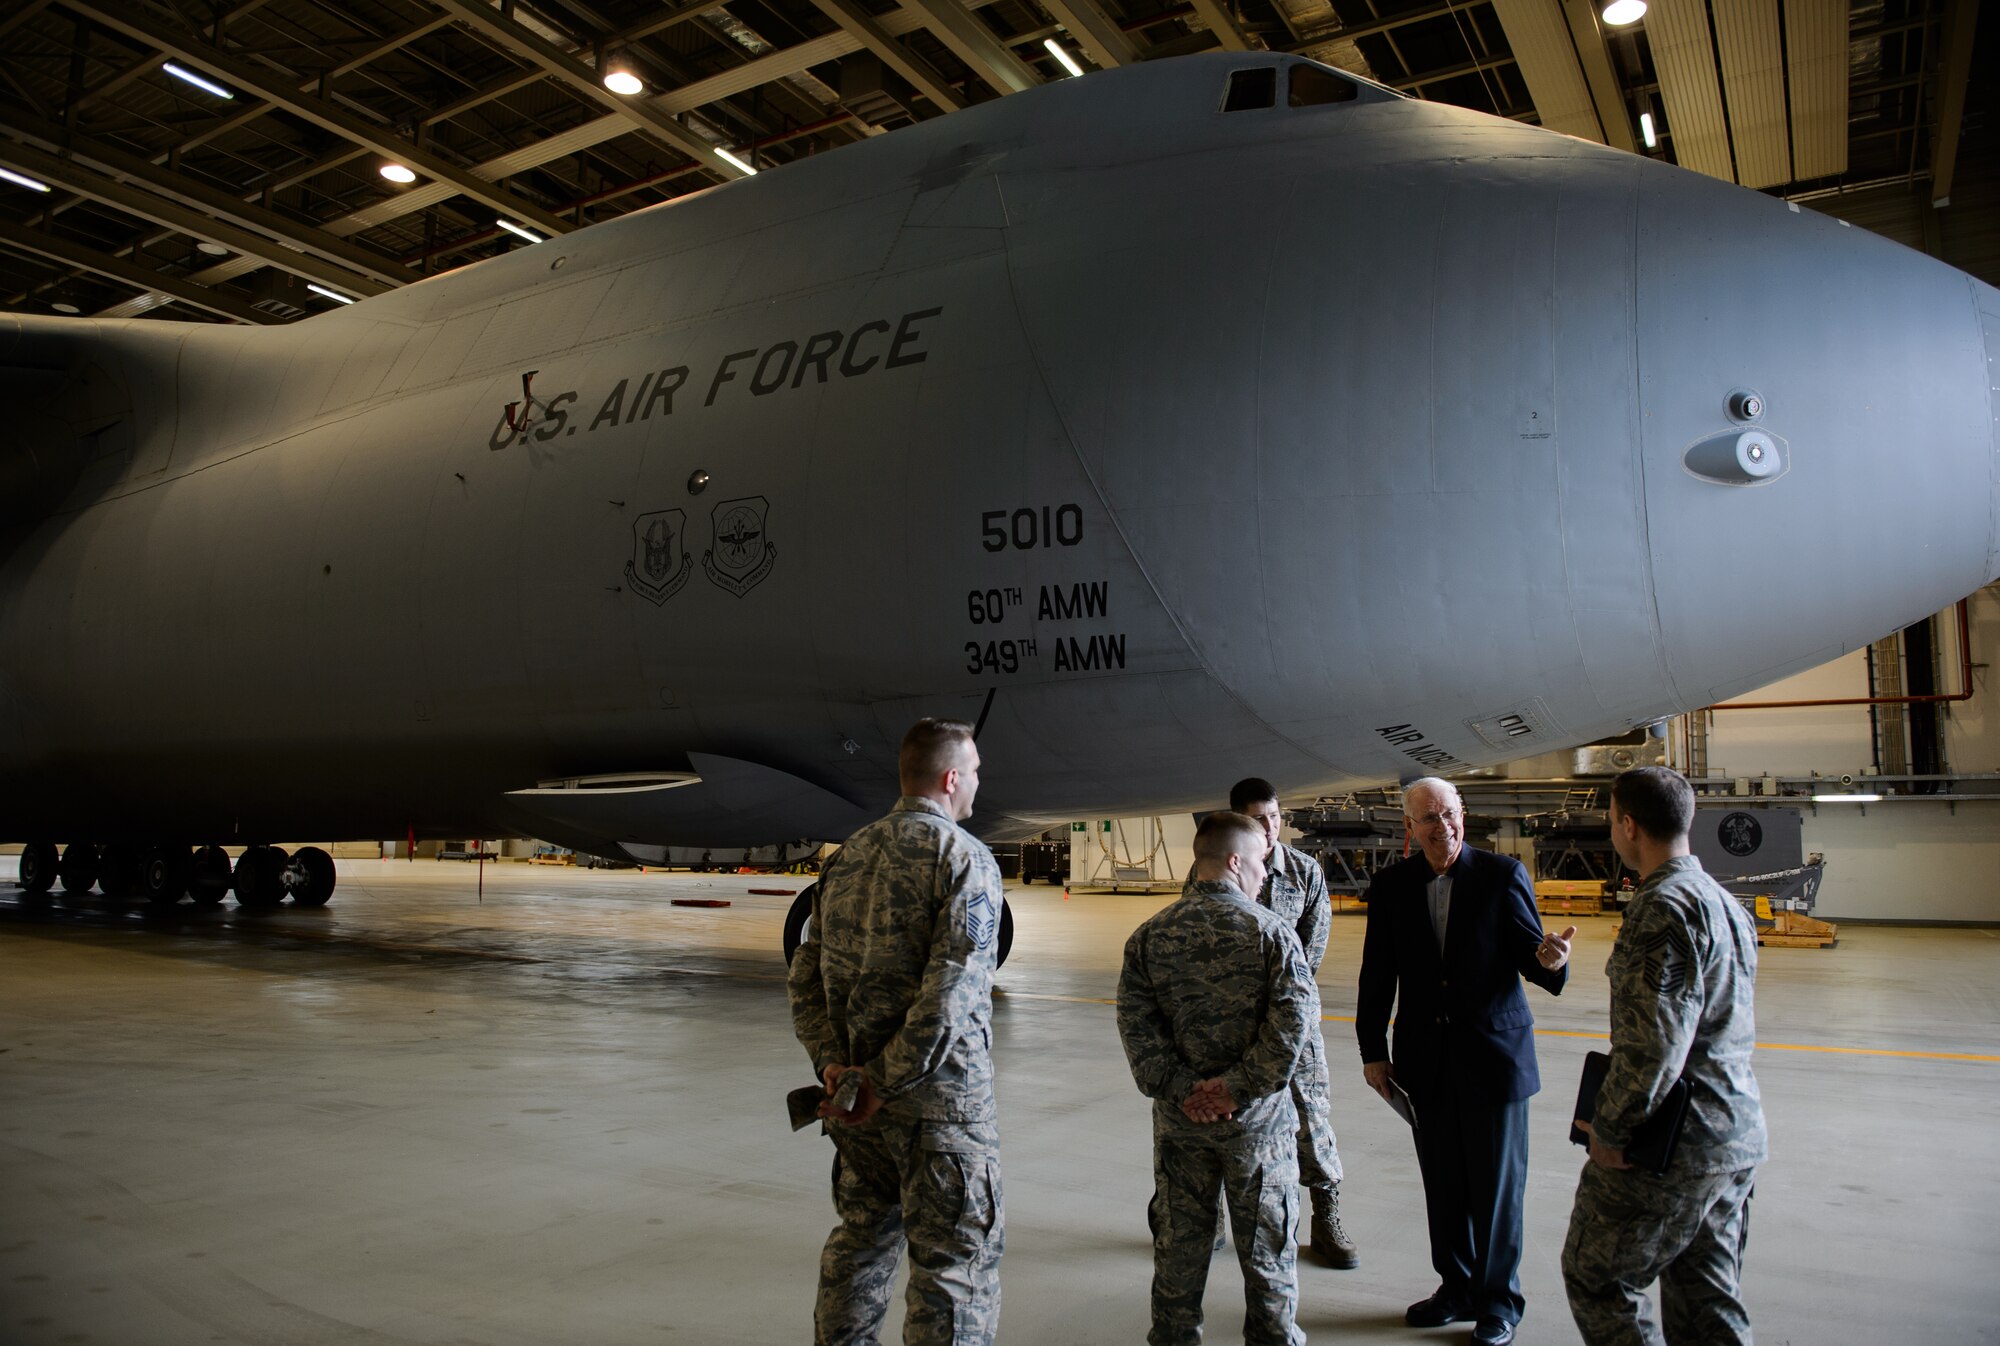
1599,1037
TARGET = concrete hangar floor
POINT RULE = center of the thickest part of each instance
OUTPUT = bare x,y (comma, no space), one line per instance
557,1116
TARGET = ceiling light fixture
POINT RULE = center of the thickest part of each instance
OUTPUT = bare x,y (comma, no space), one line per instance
1063,58
734,161
1646,130
212,249
65,308
331,294
199,81
1846,799
22,180
1622,12
514,228
398,173
623,81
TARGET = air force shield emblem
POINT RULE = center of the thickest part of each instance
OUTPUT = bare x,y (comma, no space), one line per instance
653,572
740,553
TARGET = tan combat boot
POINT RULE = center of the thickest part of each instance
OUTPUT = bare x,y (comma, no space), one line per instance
1329,1240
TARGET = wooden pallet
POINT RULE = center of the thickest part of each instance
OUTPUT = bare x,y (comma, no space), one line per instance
1569,897
1789,930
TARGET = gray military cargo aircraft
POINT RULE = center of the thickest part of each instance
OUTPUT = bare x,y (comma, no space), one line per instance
1217,416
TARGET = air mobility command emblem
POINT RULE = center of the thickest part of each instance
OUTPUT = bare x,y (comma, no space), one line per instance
653,572
740,553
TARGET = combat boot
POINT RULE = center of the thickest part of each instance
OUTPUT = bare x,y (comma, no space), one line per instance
1329,1240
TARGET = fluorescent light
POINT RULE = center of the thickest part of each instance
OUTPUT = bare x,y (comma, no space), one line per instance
623,81
330,294
23,180
1646,130
398,173
1063,58
65,308
514,228
199,81
732,159
1846,799
1621,12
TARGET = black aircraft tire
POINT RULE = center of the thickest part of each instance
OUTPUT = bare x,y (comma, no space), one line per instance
260,878
78,868
310,877
39,861
163,875
800,916
209,879
118,872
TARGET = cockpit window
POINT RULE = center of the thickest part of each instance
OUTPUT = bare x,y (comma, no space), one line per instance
1311,86
1251,89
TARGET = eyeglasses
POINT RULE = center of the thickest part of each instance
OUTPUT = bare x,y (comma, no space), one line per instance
1433,819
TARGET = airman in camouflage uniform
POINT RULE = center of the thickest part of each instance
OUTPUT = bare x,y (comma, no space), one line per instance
895,981
1682,975
1214,1008
1295,888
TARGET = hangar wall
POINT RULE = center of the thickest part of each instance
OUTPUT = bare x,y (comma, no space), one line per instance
1905,859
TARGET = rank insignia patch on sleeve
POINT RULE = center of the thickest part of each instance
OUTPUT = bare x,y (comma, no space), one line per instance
982,919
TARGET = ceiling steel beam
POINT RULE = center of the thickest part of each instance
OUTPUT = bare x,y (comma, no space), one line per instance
877,38
1684,55
1094,31
203,212
1614,114
22,15
1222,23
518,40
1955,72
973,43
71,253
1545,50
254,79
1748,39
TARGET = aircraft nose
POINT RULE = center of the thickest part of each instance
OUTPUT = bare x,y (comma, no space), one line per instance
1817,423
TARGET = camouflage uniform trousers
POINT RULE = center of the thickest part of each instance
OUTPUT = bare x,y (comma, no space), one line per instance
936,1188
1319,1156
1258,1179
1629,1227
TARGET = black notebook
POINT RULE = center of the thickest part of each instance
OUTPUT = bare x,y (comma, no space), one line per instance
1655,1139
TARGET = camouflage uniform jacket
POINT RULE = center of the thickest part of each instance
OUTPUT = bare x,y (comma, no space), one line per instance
1682,977
1215,985
897,976
1295,888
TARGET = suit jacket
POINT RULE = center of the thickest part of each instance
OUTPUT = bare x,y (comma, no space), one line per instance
1462,1018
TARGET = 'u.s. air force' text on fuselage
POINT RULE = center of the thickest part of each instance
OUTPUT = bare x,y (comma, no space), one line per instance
784,365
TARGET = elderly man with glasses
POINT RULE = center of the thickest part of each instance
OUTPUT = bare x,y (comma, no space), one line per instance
1452,930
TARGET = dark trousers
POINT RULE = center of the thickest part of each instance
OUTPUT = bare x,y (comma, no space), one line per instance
1474,1156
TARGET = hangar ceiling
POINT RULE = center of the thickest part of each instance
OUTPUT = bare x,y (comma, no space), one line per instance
225,196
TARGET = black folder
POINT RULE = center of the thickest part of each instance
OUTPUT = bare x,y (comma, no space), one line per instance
1653,1140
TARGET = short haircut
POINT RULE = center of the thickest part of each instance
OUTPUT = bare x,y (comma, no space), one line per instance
1222,835
1658,799
1251,790
930,749
1436,785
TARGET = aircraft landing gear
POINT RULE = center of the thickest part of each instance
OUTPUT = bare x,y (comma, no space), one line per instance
163,876
799,918
39,861
309,877
260,878
118,872
208,883
78,869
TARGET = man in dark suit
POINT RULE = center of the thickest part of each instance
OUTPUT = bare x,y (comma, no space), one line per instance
1451,933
